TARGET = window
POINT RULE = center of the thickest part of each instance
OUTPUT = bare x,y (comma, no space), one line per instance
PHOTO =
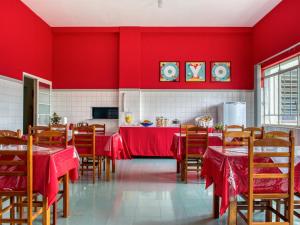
280,93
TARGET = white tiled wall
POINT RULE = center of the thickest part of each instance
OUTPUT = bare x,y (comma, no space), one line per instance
186,105
11,104
146,104
77,105
130,101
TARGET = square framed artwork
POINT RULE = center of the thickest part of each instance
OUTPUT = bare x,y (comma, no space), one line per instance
169,71
195,71
221,71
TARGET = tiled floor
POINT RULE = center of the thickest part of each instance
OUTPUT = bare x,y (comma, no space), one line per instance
142,192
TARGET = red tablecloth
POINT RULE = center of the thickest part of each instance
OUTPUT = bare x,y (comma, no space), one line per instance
109,145
227,168
149,141
178,143
48,165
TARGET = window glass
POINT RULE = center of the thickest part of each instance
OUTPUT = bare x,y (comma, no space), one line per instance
281,94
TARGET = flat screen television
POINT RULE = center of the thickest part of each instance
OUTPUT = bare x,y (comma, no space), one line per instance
105,112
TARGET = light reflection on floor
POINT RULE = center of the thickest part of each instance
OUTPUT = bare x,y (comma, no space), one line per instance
145,192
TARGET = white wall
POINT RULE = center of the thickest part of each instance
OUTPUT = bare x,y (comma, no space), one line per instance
77,105
186,105
11,103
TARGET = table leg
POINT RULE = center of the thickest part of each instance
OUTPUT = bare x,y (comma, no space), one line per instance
177,166
216,204
232,212
113,169
46,212
66,195
107,169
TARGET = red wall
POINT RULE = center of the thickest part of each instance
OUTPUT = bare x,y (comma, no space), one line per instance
85,58
25,42
197,44
277,31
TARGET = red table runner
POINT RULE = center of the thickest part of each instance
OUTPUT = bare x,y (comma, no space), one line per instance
48,165
227,169
149,141
178,143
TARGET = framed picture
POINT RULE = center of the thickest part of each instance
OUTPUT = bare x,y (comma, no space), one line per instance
221,71
195,71
169,71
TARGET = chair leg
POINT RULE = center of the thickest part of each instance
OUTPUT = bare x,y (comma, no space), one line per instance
185,171
278,209
182,170
82,167
113,166
94,171
268,212
1,208
54,213
12,210
99,167
107,169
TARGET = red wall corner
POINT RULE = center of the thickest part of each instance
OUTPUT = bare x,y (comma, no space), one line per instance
25,42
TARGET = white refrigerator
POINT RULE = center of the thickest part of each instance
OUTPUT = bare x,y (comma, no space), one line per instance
232,113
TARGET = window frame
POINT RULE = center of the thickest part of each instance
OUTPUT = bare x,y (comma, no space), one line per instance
267,97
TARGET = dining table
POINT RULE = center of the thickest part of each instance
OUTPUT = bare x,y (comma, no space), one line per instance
150,141
49,165
226,168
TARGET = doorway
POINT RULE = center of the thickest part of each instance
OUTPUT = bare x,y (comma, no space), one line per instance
28,103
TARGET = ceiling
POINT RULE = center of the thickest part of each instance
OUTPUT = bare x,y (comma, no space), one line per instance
180,13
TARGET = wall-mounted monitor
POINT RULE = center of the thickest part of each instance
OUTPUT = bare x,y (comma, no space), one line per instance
105,112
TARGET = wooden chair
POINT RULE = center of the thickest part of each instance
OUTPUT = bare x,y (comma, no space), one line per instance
84,139
52,138
19,198
263,199
234,128
33,130
195,146
99,128
256,132
10,133
236,138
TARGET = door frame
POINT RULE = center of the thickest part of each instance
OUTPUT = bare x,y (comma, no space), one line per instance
37,80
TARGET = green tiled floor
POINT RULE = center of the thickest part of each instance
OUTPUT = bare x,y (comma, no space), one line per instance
142,192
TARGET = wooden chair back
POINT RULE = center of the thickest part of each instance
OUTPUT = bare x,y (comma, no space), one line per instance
33,130
12,141
256,132
59,127
279,134
236,138
21,163
183,128
234,128
99,128
196,137
10,133
84,138
52,138
268,148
